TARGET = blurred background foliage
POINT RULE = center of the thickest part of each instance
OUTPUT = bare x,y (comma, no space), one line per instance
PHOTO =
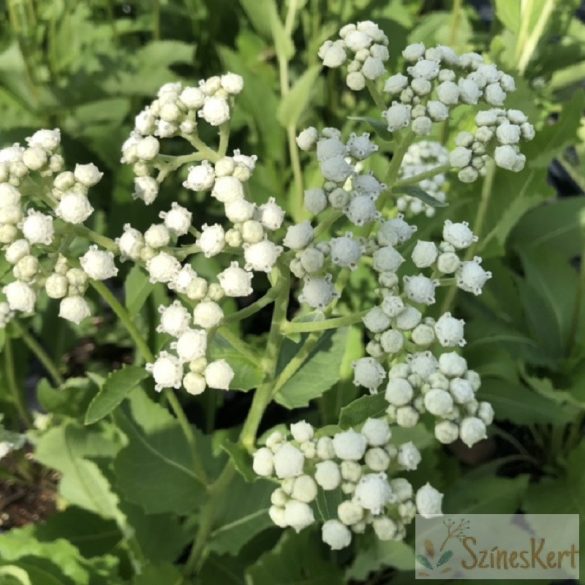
88,67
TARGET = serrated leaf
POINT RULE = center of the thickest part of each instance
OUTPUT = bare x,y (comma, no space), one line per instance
356,412
241,518
295,101
319,372
297,559
418,193
155,469
116,388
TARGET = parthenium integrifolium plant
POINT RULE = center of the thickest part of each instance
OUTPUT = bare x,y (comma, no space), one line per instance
355,221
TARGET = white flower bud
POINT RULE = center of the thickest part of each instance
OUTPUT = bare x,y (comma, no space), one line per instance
307,138
373,492
395,83
74,309
227,189
177,219
420,289
377,459
174,319
207,315
485,412
376,320
349,445
428,501
369,373
56,286
157,236
408,319
376,431
235,281
494,94
98,264
302,431
350,512
212,240
452,364
9,195
261,256
315,201
362,210
298,515
373,68
215,111
460,157
239,210
395,231
450,331
508,133
448,262
469,91
471,277
472,430
38,228
409,456
191,343
162,267
232,83
446,432
325,448
200,178
406,416
130,243
252,231
34,158
288,461
20,296
336,169
166,370
263,464
507,157
88,175
194,383
424,254
392,341
304,489
461,390
414,52
397,116
271,214
219,374
387,259
335,534
399,392
45,139
423,334
327,475
17,250
448,93
317,293
438,402
332,54
74,207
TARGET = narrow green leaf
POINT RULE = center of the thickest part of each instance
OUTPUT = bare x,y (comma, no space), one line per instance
295,101
377,125
116,388
356,412
137,287
418,193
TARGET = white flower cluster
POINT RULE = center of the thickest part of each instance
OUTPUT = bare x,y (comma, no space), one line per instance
421,157
436,81
175,112
31,238
363,467
246,234
364,47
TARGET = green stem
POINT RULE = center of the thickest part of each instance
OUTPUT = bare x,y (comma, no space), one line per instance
264,392
486,193
40,353
237,343
455,20
327,220
148,356
312,326
12,384
253,308
299,189
415,179
85,232
376,95
224,139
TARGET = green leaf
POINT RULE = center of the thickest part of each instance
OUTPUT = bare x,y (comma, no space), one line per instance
508,12
240,458
155,469
327,502
65,449
418,193
319,372
242,517
377,555
356,412
159,574
282,42
260,13
444,557
424,562
137,287
377,125
116,388
246,366
295,101
297,559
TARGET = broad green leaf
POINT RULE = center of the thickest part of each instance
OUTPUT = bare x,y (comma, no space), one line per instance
319,372
65,448
13,575
137,287
483,493
293,104
327,502
508,12
115,389
514,402
282,42
356,412
374,555
242,514
155,469
240,458
418,193
159,574
297,559
260,13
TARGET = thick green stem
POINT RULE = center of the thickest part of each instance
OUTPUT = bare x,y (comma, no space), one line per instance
99,239
12,384
312,326
40,353
253,308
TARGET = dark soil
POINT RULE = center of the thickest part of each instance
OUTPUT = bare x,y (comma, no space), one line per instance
27,491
